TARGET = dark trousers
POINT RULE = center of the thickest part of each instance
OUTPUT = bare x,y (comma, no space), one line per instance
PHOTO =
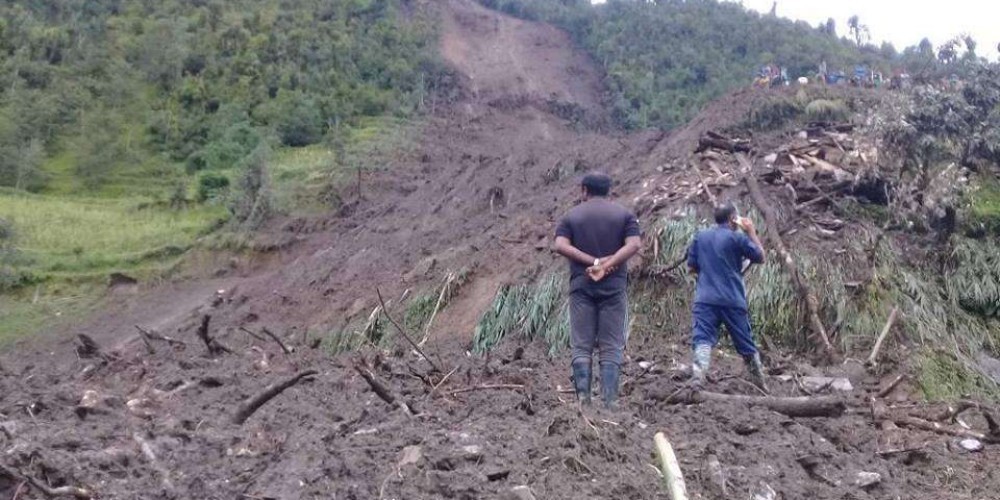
708,318
598,318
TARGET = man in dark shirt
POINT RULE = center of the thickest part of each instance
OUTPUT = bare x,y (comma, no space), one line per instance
717,256
598,236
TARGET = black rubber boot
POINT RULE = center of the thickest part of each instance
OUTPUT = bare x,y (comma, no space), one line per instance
756,370
610,375
582,375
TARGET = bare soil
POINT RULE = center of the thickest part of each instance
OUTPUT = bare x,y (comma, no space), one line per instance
492,172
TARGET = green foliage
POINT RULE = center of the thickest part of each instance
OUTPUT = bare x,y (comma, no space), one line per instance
943,377
666,60
825,110
975,281
77,237
536,311
10,276
418,312
252,204
983,215
212,185
773,113
203,82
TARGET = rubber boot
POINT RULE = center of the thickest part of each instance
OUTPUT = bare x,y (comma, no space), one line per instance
610,375
701,360
756,370
582,374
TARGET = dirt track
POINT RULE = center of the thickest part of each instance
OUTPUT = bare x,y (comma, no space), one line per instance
482,191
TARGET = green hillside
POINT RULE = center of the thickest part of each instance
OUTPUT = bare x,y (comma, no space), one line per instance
665,60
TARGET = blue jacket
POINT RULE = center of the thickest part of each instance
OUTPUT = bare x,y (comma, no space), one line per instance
717,255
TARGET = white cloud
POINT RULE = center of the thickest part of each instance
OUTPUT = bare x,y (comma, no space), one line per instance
902,22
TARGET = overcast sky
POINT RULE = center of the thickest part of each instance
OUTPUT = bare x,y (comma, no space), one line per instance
902,22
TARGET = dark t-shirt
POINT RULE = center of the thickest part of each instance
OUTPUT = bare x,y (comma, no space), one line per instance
717,254
598,227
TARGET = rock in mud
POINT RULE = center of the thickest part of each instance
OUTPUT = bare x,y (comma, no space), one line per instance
411,455
972,445
821,383
521,493
865,480
90,399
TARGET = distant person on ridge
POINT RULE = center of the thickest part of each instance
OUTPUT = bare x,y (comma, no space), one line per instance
598,236
716,256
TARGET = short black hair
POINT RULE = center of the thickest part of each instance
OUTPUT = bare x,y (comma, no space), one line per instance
724,213
597,184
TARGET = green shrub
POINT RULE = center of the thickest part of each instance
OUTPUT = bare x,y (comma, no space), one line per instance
211,185
825,110
775,112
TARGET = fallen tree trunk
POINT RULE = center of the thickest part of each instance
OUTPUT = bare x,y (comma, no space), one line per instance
803,290
826,406
252,404
926,425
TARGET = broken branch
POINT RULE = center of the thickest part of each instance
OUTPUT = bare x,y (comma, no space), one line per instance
252,404
805,293
919,423
214,346
252,334
485,387
892,385
147,451
151,335
380,389
275,338
873,358
62,491
403,333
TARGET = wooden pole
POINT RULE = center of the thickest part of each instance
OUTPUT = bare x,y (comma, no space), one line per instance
671,469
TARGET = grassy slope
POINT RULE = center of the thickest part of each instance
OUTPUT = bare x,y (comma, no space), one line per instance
72,238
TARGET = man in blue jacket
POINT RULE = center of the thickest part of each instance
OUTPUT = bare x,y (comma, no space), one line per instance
717,256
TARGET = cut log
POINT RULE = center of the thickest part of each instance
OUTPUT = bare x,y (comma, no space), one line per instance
252,404
671,469
802,288
826,406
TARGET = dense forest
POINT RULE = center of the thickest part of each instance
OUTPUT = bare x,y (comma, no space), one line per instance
666,59
107,84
